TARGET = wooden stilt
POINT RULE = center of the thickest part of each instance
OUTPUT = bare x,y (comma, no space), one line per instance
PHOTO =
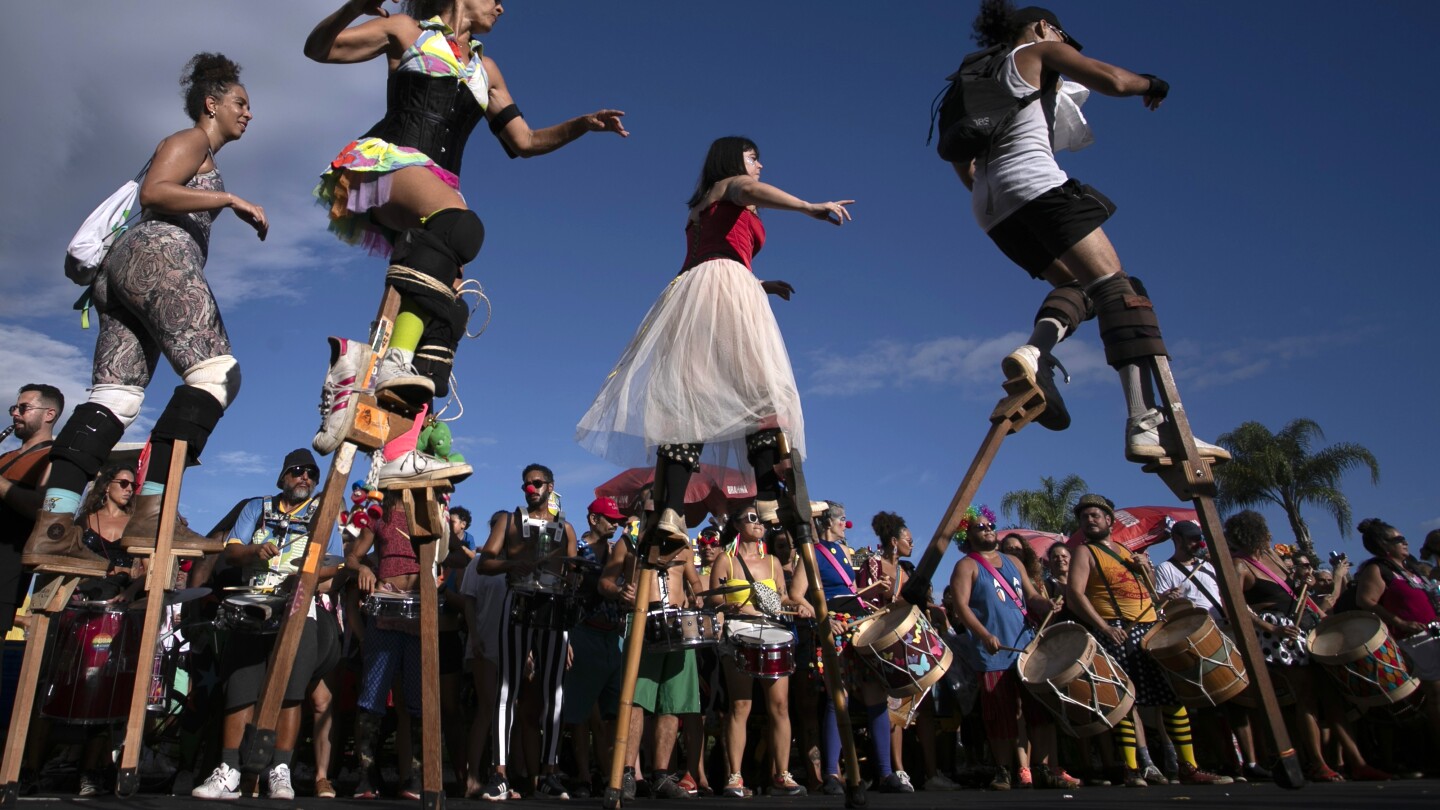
426,528
797,520
47,602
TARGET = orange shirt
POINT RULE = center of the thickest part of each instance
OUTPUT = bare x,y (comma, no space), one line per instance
1128,593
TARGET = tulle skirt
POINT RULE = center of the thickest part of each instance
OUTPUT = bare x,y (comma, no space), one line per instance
358,180
708,365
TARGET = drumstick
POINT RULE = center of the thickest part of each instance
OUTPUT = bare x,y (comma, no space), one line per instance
1011,649
1300,603
1193,571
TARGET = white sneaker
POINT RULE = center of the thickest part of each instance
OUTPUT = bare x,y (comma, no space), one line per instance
673,526
280,787
396,373
414,467
223,783
939,782
1142,440
349,360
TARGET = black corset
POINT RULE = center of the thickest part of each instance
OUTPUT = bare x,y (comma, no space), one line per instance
434,114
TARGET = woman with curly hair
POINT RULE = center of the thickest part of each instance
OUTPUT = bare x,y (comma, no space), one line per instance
1263,578
396,189
153,299
105,512
1402,599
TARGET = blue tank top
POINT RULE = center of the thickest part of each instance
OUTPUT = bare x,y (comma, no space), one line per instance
830,579
1001,616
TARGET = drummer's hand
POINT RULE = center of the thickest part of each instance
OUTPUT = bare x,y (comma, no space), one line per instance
569,657
1173,593
365,579
627,594
265,551
1408,628
1115,634
1290,631
837,626
992,644
804,611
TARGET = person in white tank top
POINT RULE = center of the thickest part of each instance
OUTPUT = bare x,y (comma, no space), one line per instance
1049,224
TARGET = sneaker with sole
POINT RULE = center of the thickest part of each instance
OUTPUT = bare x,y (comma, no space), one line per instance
1191,775
666,786
1038,367
939,782
324,789
735,788
92,784
415,466
1142,440
628,788
497,789
552,786
689,785
223,783
1134,778
349,361
396,377
833,786
1001,780
1257,773
278,780
1023,778
784,784
1153,776
897,782
1055,779
414,788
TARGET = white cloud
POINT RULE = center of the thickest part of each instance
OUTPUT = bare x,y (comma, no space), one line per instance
237,462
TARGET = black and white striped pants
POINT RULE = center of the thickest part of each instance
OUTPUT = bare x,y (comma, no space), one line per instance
518,640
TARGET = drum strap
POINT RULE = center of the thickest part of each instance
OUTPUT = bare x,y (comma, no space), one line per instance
1009,591
1279,580
1200,586
1115,603
38,447
834,563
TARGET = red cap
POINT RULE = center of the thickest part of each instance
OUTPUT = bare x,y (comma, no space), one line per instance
605,507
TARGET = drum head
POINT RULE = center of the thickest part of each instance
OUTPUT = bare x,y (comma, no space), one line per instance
1345,637
762,635
1176,629
888,626
1057,649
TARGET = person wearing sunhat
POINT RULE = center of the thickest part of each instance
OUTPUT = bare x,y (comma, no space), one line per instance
268,543
1107,591
1049,224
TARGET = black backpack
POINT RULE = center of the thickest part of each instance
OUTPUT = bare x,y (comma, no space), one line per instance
976,106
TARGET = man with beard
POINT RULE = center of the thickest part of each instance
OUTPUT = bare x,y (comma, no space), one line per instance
1106,592
524,546
268,544
33,417
1178,577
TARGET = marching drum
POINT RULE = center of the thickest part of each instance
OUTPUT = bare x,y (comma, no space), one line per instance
93,671
392,610
258,611
1357,650
551,573
1068,671
677,629
545,611
1203,664
899,645
761,648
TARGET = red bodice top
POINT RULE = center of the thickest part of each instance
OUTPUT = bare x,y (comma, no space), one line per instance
724,231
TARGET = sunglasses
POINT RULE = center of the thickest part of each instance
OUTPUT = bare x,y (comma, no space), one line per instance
985,527
749,517
303,469
24,408
1399,538
123,483
538,483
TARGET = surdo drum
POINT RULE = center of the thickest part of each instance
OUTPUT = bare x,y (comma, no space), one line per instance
1068,671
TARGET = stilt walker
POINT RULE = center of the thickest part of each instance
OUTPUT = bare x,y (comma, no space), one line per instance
707,374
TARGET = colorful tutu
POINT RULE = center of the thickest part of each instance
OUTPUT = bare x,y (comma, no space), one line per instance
708,365
358,180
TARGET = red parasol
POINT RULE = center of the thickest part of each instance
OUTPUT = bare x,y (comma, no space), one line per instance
710,490
1040,541
1139,527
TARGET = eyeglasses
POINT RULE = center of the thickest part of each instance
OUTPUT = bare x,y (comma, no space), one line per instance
24,407
538,483
1399,538
985,527
1062,34
303,469
124,483
749,517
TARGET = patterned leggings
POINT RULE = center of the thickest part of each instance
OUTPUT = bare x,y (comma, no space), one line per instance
517,640
386,652
153,297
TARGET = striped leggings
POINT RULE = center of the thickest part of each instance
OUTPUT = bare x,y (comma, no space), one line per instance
518,640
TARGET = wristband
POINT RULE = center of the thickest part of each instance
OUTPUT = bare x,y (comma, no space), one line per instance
1159,88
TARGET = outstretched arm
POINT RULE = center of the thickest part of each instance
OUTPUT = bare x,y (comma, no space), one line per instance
333,41
1101,77
749,191
522,141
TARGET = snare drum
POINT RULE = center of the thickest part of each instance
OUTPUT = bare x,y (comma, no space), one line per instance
1357,650
900,647
258,612
675,629
389,605
1202,663
92,672
544,611
761,649
1072,675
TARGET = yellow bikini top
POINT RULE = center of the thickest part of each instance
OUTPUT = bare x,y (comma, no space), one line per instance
743,595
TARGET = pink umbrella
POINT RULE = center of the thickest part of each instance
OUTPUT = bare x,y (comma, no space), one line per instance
1139,527
1039,541
710,490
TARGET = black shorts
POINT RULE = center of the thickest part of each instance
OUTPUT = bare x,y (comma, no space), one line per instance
246,656
1047,226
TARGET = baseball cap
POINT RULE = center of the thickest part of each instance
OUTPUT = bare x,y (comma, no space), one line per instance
1034,14
606,507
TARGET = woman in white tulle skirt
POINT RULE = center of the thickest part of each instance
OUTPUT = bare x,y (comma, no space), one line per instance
707,372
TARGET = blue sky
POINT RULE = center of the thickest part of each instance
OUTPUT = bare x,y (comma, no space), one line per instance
1276,208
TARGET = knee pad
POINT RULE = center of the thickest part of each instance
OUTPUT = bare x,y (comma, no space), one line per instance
1128,326
460,230
86,441
447,241
219,377
1067,304
123,401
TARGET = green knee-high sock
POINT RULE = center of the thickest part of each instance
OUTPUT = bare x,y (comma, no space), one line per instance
1125,736
1177,725
409,325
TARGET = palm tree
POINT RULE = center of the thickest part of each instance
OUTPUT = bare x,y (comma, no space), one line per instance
1049,508
1286,469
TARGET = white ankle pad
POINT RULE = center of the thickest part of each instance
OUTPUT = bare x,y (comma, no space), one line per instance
219,377
122,400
